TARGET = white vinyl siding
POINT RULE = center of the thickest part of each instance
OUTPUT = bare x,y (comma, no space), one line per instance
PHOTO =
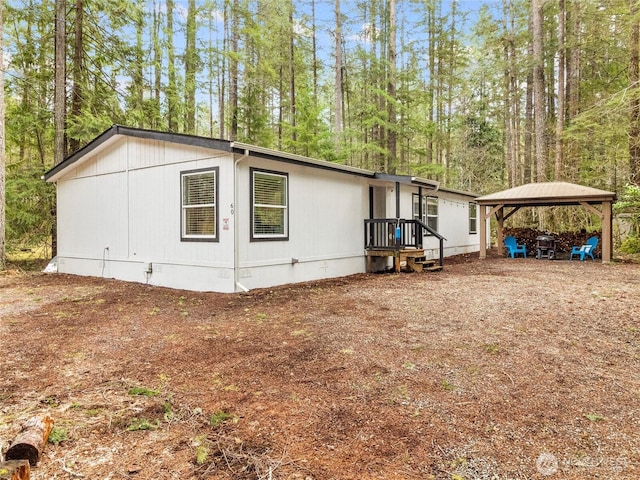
199,218
270,208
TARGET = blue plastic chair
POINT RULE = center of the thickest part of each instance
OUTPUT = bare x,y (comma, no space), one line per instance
513,248
583,250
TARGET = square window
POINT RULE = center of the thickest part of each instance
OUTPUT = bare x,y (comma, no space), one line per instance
269,209
199,202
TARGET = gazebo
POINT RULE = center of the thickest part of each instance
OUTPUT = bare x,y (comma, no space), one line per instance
548,194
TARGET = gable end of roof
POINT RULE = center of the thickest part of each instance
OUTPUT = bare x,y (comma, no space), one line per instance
115,130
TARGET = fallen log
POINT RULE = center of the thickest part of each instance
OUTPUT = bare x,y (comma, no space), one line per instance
15,470
31,440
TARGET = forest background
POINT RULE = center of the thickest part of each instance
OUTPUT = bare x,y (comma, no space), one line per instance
480,95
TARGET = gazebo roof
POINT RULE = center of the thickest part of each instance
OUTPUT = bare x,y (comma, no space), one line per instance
547,194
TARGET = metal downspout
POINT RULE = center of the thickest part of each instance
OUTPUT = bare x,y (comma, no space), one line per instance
236,235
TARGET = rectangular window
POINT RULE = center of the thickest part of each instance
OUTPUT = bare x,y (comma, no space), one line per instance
429,211
473,217
199,202
270,205
432,212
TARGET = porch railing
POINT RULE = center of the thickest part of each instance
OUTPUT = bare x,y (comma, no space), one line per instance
398,234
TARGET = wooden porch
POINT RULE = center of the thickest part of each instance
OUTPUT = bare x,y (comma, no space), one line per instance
401,240
413,260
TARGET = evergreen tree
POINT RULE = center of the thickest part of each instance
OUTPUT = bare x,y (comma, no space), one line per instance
2,147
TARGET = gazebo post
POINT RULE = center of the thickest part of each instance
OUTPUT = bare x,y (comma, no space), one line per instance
607,232
484,216
483,232
500,232
606,218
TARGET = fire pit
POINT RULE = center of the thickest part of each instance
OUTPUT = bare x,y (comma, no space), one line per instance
546,247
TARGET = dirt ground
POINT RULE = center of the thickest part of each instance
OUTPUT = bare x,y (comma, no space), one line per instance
495,369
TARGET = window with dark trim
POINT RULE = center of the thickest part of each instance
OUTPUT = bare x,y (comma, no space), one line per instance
473,217
199,201
269,205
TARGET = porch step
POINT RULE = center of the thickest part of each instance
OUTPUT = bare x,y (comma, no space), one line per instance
407,259
434,268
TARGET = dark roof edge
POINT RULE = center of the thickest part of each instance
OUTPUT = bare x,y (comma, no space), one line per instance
237,148
408,180
75,156
240,148
114,130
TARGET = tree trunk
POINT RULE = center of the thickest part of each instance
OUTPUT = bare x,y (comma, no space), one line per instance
314,54
292,74
172,87
60,96
431,20
516,101
190,62
573,60
281,106
538,92
450,91
78,69
31,440
138,68
2,150
572,92
233,94
634,79
528,122
210,68
157,64
391,91
559,175
338,75
439,104
222,78
508,132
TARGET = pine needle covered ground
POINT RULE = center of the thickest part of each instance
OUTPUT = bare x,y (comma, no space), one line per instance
500,369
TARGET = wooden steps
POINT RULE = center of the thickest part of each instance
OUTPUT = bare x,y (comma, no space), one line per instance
422,264
412,260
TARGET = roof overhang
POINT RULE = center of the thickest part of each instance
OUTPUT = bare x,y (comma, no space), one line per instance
107,137
269,154
545,202
408,180
546,195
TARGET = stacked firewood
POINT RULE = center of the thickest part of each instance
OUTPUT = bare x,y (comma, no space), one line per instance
565,240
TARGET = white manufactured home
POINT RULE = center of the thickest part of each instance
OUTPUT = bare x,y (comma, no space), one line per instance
213,215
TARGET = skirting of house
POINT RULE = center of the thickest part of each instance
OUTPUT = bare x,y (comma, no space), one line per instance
205,278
